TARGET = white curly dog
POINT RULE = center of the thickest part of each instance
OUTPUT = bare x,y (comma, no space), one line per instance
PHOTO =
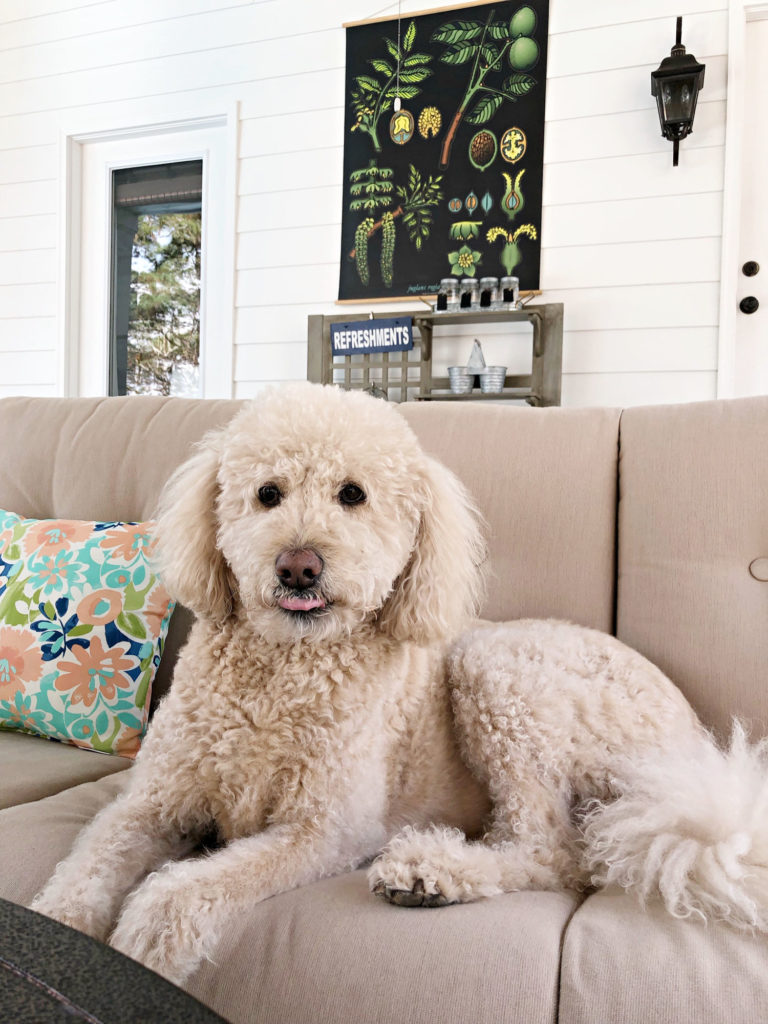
336,698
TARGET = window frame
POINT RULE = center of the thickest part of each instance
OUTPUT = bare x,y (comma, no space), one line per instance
88,159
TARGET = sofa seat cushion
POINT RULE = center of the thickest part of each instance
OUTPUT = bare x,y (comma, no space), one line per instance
35,836
331,952
32,768
622,962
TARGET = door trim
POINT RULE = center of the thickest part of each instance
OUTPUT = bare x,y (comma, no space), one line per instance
217,368
739,13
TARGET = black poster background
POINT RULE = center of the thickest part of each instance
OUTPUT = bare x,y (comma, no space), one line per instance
418,271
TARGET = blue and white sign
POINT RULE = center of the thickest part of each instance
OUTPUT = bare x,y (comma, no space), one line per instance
361,336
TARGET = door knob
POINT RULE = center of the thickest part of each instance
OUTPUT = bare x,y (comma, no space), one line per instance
749,304
750,268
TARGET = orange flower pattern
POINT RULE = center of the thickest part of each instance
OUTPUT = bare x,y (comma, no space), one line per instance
21,661
95,670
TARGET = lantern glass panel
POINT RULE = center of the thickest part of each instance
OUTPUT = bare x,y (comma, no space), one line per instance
677,97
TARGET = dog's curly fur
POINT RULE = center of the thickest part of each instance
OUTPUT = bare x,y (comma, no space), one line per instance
314,722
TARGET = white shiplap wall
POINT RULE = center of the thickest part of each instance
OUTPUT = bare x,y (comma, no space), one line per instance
631,245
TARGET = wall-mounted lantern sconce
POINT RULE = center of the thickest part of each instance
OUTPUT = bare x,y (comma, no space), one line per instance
675,84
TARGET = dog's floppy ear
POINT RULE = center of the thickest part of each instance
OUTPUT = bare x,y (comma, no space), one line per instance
188,558
442,585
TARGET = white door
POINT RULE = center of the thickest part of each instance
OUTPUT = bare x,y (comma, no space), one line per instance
751,334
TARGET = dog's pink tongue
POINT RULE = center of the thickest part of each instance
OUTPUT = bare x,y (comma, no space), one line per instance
301,604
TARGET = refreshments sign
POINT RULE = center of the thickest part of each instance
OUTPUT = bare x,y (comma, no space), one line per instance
361,336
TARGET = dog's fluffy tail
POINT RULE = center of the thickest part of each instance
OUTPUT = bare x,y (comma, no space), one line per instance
691,827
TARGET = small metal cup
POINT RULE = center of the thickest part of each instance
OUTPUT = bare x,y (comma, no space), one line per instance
492,379
461,381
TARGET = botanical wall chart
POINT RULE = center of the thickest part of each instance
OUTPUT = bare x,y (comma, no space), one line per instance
447,182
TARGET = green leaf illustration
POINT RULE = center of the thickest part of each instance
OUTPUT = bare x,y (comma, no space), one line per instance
368,84
393,49
460,54
405,92
415,75
519,84
381,66
490,54
498,30
457,32
415,59
410,35
485,108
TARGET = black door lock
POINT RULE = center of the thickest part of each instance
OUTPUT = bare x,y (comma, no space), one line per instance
750,268
749,304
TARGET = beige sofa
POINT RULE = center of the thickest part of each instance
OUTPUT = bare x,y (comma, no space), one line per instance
651,523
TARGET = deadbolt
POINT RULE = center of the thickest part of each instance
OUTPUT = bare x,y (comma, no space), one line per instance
750,268
749,304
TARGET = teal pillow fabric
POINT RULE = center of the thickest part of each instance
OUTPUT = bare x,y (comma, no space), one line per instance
83,619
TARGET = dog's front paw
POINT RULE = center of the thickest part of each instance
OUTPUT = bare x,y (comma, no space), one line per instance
433,868
416,896
165,925
75,909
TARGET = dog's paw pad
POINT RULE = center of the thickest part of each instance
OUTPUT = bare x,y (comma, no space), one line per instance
415,897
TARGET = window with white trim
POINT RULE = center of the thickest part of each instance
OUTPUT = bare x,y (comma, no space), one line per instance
101,341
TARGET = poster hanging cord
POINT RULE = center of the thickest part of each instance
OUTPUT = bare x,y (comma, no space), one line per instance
397,104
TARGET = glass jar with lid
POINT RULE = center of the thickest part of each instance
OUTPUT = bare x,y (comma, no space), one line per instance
489,289
510,292
469,293
447,296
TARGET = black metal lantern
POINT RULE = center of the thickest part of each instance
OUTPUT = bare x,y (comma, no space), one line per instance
675,84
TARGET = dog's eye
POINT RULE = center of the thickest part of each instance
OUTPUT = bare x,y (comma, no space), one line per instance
351,494
269,495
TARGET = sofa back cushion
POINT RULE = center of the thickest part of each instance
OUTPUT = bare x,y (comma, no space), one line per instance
545,479
693,519
101,459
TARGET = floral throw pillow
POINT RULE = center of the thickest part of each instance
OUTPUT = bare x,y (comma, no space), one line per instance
82,623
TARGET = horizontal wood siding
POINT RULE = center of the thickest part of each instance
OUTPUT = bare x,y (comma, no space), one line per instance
631,245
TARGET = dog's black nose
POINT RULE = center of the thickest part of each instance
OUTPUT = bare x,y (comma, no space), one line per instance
298,569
